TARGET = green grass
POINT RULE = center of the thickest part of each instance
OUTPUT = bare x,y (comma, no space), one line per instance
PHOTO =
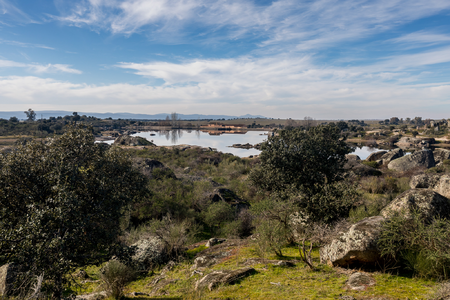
277,282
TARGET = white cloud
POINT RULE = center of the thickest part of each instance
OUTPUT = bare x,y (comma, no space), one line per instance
280,86
38,68
25,45
310,24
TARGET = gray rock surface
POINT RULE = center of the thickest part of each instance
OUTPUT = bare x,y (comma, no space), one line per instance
427,202
149,253
440,155
374,156
360,281
357,168
352,157
230,197
390,156
126,140
152,168
438,183
356,246
214,241
216,278
408,142
423,158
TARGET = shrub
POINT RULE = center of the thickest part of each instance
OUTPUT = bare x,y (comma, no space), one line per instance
116,275
417,244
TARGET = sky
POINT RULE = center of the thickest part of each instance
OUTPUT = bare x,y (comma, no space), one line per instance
326,59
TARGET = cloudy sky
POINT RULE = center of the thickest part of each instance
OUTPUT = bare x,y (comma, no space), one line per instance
327,59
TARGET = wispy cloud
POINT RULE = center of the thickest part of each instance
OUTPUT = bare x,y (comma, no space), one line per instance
310,24
24,45
14,14
38,68
421,38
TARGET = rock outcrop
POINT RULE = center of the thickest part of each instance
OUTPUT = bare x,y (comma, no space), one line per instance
440,155
374,156
359,281
149,253
423,158
153,169
355,167
438,183
357,246
214,241
408,142
126,140
429,203
216,278
390,156
222,194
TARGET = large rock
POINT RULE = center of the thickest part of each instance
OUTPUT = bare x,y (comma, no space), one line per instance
390,156
126,140
149,253
8,276
438,183
222,194
360,281
352,157
429,203
216,278
423,158
408,142
374,156
153,169
440,155
357,246
357,168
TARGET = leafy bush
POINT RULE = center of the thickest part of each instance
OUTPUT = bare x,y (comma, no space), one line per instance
417,244
116,275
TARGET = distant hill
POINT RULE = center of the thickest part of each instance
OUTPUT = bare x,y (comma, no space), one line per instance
50,113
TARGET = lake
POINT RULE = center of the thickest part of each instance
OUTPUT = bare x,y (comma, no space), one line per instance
207,139
221,142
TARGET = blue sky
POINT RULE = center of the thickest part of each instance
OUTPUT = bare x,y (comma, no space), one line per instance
327,59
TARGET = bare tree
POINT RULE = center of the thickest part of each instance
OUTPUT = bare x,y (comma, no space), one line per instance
175,120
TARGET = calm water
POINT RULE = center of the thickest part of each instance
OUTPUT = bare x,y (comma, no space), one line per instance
205,139
365,151
222,142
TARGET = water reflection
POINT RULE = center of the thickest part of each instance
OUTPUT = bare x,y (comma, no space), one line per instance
208,138
172,135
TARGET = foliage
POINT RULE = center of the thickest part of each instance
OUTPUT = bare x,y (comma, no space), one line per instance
417,244
217,214
61,201
174,234
31,115
116,275
301,160
372,164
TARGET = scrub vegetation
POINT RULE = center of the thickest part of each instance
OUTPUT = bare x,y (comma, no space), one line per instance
70,206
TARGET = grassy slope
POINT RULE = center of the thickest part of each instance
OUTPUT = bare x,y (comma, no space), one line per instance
275,282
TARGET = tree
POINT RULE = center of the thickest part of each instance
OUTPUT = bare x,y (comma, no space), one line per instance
301,160
174,117
31,115
61,201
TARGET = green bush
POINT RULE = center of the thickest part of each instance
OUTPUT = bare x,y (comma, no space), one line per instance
116,275
418,244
